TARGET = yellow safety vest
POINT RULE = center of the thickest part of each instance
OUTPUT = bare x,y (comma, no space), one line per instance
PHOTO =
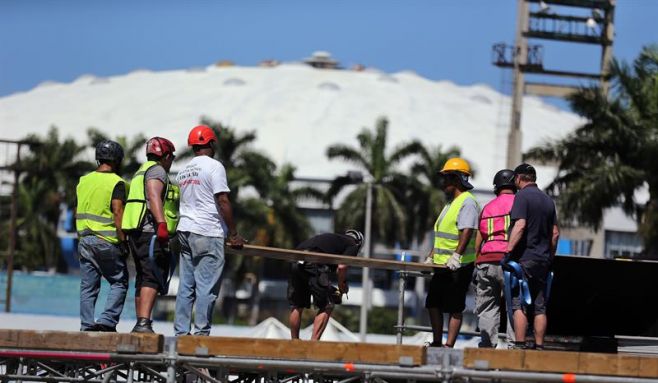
446,233
135,211
94,212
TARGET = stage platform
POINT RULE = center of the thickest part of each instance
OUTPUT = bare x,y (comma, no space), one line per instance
106,357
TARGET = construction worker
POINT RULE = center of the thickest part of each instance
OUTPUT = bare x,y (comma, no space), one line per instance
149,219
490,247
206,220
311,279
101,196
532,244
452,236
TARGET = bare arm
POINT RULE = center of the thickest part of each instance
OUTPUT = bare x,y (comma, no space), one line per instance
226,210
517,233
342,278
478,243
117,209
154,190
464,237
554,240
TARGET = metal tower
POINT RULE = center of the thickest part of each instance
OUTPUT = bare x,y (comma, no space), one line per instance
541,22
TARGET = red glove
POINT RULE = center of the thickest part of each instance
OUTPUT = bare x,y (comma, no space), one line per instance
162,233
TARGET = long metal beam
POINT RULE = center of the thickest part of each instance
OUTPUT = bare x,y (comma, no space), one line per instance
600,4
332,259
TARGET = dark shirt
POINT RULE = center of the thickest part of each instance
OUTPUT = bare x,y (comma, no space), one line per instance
538,209
119,192
330,243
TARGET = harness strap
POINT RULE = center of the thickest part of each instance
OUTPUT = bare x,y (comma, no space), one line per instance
173,262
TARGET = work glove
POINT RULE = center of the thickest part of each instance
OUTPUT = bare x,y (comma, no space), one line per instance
343,287
162,234
454,262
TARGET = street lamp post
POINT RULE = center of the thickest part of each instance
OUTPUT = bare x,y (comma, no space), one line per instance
365,281
356,177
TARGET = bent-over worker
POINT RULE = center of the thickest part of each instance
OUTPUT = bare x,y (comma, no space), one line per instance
312,279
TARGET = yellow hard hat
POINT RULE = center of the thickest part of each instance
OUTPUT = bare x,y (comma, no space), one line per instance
456,164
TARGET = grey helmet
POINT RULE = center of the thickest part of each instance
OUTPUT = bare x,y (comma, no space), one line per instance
110,151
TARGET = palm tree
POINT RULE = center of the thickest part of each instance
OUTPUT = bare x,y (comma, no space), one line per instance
425,198
606,161
388,185
286,225
132,149
50,176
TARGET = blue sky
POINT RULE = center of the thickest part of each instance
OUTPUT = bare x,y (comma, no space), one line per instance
44,40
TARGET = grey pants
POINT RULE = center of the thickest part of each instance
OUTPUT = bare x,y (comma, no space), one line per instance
488,301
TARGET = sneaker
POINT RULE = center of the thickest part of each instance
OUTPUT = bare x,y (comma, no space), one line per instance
105,328
143,325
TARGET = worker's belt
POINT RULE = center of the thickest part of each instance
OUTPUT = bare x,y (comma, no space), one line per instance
173,262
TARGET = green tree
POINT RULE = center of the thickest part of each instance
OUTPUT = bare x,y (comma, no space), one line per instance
425,197
388,184
50,176
605,162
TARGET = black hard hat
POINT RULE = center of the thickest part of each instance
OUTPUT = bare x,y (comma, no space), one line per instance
108,150
504,179
525,168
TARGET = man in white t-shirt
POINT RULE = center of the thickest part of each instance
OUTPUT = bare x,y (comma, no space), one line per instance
206,221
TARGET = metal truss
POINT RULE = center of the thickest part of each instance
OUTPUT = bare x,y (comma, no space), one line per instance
444,365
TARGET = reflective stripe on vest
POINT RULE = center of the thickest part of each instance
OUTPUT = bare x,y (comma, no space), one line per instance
135,211
446,233
94,211
494,224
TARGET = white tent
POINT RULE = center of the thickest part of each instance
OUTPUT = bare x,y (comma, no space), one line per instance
335,332
422,338
270,328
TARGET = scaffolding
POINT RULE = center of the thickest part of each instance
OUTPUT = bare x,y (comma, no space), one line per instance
445,365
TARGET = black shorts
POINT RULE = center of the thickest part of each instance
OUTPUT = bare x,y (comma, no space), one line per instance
306,281
147,275
448,289
536,273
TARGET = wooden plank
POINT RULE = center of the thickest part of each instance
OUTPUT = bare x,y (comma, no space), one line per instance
562,362
648,367
299,350
550,361
486,358
8,338
608,364
82,341
333,259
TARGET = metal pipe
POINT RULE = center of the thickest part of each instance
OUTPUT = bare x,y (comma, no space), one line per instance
12,229
293,365
365,276
87,356
544,377
401,283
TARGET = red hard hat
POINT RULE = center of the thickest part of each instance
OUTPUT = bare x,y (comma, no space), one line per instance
201,135
159,146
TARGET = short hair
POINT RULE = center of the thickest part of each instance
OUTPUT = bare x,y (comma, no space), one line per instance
528,177
153,157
